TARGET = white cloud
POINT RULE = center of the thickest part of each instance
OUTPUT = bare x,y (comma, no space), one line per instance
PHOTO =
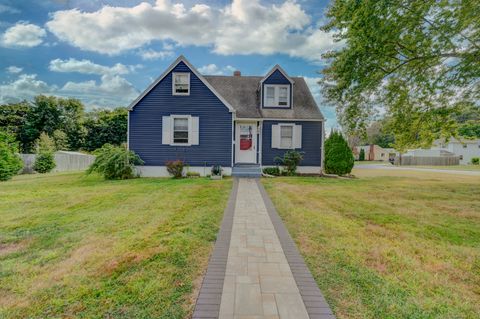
14,69
7,9
327,111
25,87
213,69
87,67
23,34
112,90
154,55
242,27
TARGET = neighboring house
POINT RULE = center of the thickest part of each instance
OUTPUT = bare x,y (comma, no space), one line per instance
465,149
374,153
238,122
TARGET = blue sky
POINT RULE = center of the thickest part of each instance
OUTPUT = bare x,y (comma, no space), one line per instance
106,52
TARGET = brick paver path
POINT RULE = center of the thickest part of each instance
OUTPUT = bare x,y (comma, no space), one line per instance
264,276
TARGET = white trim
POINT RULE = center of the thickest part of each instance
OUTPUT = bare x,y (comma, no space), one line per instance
254,141
292,125
181,58
276,95
233,138
128,130
279,68
161,171
260,143
172,126
173,83
277,119
322,160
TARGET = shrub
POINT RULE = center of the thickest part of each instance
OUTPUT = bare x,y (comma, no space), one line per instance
361,156
338,156
216,170
275,171
44,163
193,174
10,162
115,162
45,160
290,161
175,168
476,160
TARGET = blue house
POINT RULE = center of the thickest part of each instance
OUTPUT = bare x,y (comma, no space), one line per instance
239,122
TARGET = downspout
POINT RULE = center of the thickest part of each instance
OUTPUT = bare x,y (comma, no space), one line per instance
322,160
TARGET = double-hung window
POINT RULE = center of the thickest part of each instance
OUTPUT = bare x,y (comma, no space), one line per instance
181,83
286,136
180,130
277,96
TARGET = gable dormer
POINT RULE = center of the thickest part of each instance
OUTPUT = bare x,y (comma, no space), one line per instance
276,89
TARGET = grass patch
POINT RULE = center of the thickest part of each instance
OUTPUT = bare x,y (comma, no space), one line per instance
390,244
76,246
452,167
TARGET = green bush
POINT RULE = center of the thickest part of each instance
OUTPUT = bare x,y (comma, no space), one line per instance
361,156
193,174
275,171
290,161
216,170
45,160
338,155
44,163
175,168
115,162
10,162
476,160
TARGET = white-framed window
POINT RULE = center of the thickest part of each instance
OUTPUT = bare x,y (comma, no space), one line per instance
181,83
286,136
277,95
180,129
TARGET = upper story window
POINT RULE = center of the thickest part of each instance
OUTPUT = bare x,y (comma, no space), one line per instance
277,96
181,83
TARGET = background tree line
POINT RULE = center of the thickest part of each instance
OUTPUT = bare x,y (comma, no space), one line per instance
65,121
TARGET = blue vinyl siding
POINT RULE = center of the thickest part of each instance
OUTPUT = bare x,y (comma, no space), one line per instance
215,130
311,143
277,78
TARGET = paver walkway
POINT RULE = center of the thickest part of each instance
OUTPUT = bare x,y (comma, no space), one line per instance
258,280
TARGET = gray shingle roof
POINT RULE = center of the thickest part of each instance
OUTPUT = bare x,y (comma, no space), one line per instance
243,93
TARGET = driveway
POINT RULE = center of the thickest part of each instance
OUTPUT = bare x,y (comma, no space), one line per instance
430,170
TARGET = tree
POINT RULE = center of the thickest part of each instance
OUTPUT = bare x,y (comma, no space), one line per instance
416,61
106,126
45,160
361,156
13,116
338,155
60,140
73,117
10,162
115,162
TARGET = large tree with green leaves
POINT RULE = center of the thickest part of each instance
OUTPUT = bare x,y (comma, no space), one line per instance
417,62
106,126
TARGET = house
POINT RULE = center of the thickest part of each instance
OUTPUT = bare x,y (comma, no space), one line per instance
239,122
374,153
466,149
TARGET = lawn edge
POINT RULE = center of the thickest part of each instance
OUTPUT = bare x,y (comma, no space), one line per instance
315,303
207,304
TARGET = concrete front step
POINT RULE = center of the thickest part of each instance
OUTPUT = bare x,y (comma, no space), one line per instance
247,170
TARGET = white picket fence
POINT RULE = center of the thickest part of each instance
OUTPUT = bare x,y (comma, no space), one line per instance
66,161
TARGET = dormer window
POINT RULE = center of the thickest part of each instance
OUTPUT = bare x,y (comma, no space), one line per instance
181,83
277,96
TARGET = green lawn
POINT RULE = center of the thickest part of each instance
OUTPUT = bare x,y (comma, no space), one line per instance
76,246
389,244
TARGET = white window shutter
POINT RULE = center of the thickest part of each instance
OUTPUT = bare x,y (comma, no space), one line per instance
166,130
275,136
297,136
193,133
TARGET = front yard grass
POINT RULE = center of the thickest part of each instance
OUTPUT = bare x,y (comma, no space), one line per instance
390,244
76,246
